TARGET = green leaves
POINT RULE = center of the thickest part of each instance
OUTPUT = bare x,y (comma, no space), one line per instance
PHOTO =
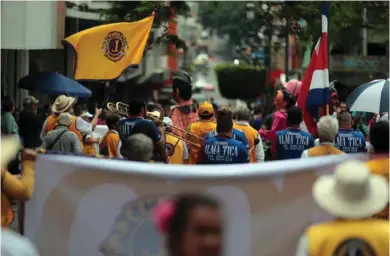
136,10
345,19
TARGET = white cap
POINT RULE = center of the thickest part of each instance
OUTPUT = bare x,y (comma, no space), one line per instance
86,114
167,120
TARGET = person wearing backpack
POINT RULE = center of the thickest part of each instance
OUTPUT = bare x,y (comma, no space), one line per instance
61,138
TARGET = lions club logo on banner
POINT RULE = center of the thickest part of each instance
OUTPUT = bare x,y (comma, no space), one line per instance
115,46
134,232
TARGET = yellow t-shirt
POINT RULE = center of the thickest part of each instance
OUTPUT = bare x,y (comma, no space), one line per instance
200,129
380,166
175,149
251,135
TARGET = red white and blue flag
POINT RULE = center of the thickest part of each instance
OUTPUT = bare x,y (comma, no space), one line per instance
314,92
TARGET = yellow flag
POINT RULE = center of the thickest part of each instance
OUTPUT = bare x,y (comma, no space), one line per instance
104,52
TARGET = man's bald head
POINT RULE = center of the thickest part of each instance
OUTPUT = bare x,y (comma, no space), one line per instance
345,120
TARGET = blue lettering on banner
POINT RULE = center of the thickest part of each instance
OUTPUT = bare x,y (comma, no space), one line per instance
221,151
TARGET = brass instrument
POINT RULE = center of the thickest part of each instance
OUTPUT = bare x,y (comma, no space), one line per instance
154,113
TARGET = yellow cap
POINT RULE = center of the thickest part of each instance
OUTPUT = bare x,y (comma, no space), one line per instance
206,108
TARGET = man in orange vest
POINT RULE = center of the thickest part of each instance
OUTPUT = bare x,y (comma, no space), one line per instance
352,195
78,126
200,129
256,152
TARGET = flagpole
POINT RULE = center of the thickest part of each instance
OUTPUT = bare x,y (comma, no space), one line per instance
328,18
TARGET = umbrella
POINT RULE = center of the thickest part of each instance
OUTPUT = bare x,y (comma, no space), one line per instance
370,97
53,83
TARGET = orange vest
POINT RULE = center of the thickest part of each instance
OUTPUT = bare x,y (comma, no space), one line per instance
322,150
89,149
251,135
380,166
200,129
329,238
52,122
175,149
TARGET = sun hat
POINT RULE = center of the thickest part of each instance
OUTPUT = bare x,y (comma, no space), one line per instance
206,108
86,114
62,104
65,119
30,99
10,146
351,192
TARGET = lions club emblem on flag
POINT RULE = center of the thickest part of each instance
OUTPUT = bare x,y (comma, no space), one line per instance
115,46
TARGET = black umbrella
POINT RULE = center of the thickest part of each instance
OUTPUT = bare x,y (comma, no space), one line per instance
370,97
53,83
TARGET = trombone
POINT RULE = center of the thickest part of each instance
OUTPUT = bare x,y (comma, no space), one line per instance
156,116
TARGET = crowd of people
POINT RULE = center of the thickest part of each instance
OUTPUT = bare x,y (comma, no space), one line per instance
207,134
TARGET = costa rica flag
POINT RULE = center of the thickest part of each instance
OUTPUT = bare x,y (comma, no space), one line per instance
315,86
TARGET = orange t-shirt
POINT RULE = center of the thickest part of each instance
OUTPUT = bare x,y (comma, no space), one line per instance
200,129
109,144
251,135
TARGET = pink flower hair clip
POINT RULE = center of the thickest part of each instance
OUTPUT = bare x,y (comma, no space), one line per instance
163,214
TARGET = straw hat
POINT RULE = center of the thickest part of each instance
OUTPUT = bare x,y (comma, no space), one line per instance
10,146
62,104
352,192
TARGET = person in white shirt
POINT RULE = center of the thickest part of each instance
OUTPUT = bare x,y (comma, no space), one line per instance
13,244
65,104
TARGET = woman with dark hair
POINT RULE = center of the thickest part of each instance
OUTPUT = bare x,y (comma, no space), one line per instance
192,224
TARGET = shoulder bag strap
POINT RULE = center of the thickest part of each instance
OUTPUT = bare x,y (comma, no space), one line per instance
56,140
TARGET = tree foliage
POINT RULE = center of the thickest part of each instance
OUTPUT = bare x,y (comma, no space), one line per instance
345,19
129,11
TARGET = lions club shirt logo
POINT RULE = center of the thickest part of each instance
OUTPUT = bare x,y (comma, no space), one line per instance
115,46
170,149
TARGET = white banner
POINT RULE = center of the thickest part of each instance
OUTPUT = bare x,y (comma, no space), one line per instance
99,132
88,206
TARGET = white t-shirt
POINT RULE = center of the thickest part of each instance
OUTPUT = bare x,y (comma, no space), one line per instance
13,244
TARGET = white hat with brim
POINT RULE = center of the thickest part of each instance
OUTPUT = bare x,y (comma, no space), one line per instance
352,192
10,146
62,104
86,114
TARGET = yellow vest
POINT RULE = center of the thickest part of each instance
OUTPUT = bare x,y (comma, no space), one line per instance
175,149
200,129
328,238
89,149
251,135
380,166
323,150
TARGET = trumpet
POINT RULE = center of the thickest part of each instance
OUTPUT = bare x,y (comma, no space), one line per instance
156,114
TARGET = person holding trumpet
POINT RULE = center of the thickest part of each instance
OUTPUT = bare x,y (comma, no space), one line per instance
176,148
136,114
